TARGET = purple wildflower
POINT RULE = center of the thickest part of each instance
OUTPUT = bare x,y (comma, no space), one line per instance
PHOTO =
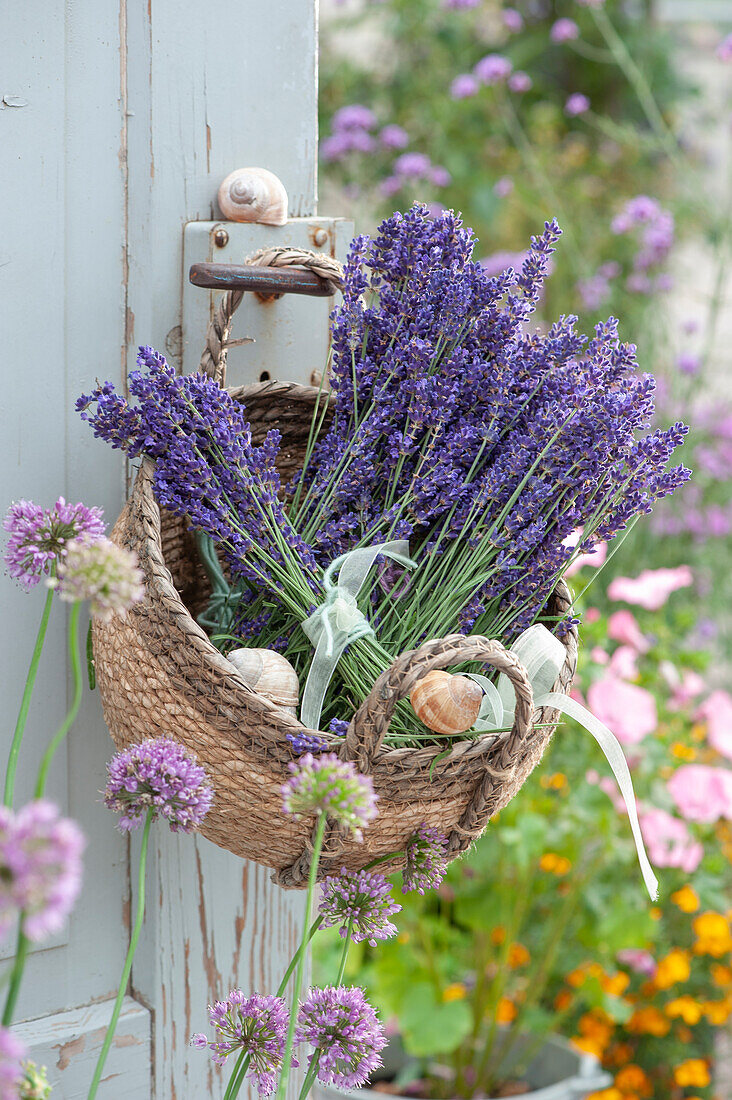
520,82
412,165
39,536
463,86
688,363
327,785
724,49
360,902
353,117
503,187
513,21
426,861
161,775
393,137
577,104
12,1053
99,571
346,1033
460,5
564,30
257,1025
494,68
40,868
339,726
306,742
440,176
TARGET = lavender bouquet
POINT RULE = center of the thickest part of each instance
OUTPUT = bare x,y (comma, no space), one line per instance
458,426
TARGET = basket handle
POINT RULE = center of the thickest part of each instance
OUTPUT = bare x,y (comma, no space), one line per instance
213,360
370,724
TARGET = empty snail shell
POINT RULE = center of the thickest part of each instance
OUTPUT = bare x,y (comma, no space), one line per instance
253,195
446,703
269,674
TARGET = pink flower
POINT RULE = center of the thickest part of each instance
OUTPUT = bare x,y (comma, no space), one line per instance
12,1053
494,68
595,559
611,789
592,615
724,49
463,86
513,21
670,844
503,187
520,82
628,710
623,663
651,588
635,958
702,793
564,30
717,711
623,627
576,104
599,655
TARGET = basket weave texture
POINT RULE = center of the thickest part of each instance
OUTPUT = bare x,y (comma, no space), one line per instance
159,675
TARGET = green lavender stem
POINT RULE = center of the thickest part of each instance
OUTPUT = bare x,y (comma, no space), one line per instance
76,668
127,968
25,702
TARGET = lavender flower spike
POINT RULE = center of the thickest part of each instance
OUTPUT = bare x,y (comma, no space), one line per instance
257,1025
426,861
99,571
39,536
40,868
12,1053
158,774
327,785
346,1033
360,901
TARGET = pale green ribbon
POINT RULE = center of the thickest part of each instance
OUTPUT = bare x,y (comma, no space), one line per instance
337,621
542,655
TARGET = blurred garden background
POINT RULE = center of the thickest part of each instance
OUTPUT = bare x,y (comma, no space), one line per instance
615,117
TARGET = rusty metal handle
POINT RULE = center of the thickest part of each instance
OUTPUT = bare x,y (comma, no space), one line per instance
262,280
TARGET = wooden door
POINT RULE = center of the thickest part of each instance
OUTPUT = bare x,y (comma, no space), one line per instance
119,120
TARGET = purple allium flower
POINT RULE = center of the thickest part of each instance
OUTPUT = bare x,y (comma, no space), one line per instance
440,176
520,82
99,571
576,104
688,363
40,867
493,69
513,21
638,283
39,536
724,49
12,1053
394,137
306,742
390,186
564,30
346,1033
353,117
412,165
426,861
257,1025
360,901
503,187
327,785
640,210
463,86
158,774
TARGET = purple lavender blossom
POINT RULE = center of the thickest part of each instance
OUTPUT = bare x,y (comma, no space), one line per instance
513,21
564,30
339,726
12,1053
39,536
40,868
327,785
520,82
257,1025
577,104
494,68
158,774
688,362
360,903
394,137
426,860
463,86
99,571
306,742
345,1031
354,116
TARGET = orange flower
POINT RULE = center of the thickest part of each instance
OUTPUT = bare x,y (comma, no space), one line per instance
506,1011
648,1021
454,992
685,1007
517,955
562,1000
554,864
556,782
721,975
606,1094
675,967
713,935
694,1071
717,1012
632,1078
622,1053
682,751
655,913
498,935
597,1027
686,899
699,731
589,1045
615,984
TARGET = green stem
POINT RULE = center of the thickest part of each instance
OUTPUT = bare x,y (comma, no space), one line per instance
26,700
312,878
310,1076
68,721
344,955
127,968
16,976
237,1078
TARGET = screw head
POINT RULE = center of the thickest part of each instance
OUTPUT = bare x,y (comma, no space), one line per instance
320,236
220,236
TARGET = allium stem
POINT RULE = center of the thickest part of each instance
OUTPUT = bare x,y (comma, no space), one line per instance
312,878
127,968
16,975
237,1077
76,668
26,700
344,954
310,1076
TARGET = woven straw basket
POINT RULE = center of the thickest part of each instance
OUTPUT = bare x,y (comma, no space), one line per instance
159,675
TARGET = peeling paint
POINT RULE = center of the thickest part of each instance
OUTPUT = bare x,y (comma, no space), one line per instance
68,1050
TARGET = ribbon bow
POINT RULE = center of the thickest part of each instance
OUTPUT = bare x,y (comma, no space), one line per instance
337,621
542,655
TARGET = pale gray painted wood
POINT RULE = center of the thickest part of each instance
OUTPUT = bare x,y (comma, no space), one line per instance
68,1045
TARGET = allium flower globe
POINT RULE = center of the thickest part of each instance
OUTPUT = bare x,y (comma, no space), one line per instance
161,775
256,1025
327,785
426,860
40,868
359,901
99,571
12,1053
39,536
346,1033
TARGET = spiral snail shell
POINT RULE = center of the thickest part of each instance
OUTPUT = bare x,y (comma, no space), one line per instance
446,703
253,195
269,674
